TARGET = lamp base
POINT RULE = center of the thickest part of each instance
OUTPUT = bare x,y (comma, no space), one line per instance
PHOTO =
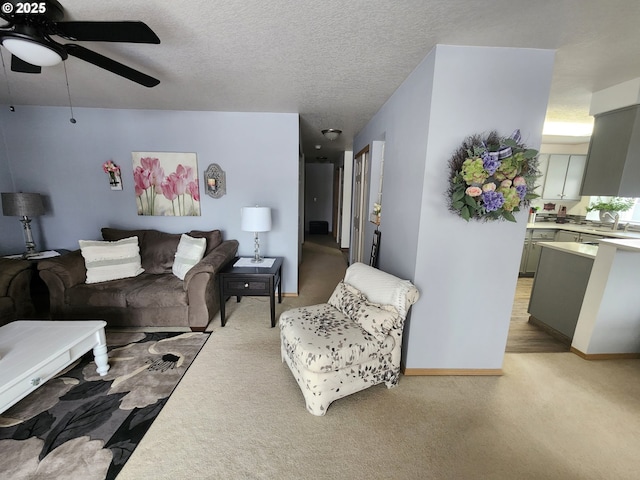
30,245
256,250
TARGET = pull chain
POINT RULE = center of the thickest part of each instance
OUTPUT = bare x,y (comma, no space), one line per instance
64,64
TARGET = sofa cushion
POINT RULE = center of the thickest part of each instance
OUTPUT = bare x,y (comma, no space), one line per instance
157,291
105,294
190,251
323,339
214,238
158,251
113,234
106,261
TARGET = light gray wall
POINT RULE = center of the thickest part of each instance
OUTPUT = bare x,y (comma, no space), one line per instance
402,122
466,271
63,161
319,193
10,227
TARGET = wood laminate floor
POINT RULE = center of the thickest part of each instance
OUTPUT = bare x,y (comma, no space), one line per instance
523,336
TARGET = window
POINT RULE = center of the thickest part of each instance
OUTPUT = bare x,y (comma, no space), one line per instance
631,215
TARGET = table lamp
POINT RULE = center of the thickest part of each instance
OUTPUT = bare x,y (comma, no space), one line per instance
24,205
256,219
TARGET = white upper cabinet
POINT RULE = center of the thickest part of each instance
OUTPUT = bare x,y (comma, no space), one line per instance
563,177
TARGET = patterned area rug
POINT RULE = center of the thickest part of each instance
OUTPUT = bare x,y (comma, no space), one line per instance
82,426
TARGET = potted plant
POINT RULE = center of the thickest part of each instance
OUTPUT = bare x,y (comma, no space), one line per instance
610,208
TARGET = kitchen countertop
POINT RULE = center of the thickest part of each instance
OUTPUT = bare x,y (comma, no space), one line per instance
624,244
582,249
586,228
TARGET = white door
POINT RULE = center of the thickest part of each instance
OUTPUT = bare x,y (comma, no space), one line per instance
360,193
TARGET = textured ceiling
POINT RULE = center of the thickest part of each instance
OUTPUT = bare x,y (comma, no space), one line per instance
334,62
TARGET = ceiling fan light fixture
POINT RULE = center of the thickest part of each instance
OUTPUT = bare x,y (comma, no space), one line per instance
331,133
32,52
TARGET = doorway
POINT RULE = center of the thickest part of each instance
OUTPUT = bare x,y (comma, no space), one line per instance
360,195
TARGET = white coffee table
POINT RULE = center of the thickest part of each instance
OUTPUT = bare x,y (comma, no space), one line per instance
33,351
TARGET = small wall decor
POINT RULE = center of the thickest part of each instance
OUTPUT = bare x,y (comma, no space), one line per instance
375,249
491,177
166,183
115,180
215,181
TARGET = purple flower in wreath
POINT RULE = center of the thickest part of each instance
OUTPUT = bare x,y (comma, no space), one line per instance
492,200
522,191
490,163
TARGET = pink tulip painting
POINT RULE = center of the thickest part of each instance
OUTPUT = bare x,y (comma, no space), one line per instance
175,193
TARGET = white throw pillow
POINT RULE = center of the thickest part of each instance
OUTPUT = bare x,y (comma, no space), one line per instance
111,260
378,320
190,251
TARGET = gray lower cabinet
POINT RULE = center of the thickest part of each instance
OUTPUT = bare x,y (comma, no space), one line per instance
585,237
558,291
562,236
531,250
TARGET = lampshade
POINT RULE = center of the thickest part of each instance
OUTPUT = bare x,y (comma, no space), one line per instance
256,219
331,133
22,204
32,52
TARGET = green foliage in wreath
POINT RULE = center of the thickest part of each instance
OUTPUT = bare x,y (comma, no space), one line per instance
492,177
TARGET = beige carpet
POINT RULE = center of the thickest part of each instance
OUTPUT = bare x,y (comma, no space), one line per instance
238,414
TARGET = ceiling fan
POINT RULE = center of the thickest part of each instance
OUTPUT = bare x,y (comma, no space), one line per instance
30,26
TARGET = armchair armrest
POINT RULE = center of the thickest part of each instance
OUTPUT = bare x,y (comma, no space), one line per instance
69,268
212,263
9,270
59,274
15,283
200,283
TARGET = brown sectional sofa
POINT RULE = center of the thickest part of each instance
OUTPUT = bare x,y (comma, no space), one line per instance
154,298
15,296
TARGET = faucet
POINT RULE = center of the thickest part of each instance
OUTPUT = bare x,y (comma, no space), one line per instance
615,219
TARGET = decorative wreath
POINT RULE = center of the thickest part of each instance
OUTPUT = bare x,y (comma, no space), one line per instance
492,177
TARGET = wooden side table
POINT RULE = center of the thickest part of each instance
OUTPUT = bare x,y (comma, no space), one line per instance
250,281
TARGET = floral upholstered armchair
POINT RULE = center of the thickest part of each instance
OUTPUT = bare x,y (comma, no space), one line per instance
351,342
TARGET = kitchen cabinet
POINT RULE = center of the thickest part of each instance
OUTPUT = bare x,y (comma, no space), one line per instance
613,168
531,250
566,236
559,288
587,238
563,177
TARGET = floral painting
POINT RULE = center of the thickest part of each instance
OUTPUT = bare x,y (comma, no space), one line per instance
166,183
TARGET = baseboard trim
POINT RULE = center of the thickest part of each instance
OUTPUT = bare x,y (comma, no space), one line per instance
605,356
290,294
550,330
451,371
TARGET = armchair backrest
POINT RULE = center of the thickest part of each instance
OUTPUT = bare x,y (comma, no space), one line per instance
382,288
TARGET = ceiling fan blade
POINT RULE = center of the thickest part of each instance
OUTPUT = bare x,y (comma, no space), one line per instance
19,65
111,65
127,31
